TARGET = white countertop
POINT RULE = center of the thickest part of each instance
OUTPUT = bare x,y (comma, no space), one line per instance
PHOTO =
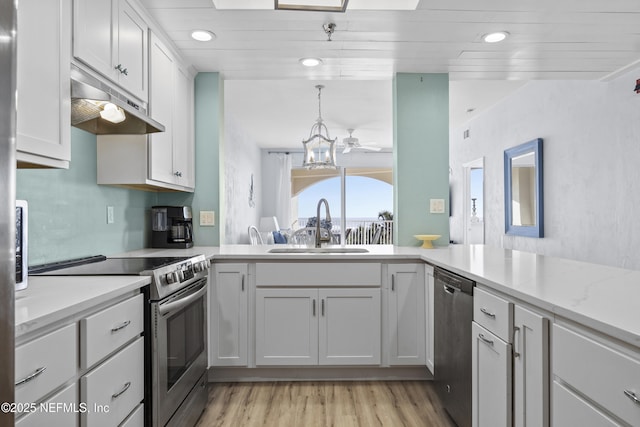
48,299
604,298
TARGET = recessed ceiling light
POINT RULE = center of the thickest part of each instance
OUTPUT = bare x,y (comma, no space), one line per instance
311,62
202,35
495,37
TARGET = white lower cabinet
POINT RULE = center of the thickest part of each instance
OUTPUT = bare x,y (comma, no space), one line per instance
407,313
429,318
115,388
492,376
349,330
530,369
318,326
510,380
228,330
595,376
45,363
136,419
570,409
89,371
61,410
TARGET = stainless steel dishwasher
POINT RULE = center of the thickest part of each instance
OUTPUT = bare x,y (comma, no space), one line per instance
453,312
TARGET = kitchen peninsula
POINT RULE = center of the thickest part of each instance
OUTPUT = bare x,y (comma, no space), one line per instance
584,336
601,297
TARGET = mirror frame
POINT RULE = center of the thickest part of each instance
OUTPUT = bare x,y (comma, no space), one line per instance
537,230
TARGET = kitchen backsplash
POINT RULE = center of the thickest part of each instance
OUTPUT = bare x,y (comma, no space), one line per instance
68,210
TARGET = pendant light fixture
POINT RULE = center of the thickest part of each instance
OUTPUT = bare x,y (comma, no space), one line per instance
319,148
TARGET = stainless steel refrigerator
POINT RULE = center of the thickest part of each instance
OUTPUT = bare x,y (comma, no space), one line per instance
7,203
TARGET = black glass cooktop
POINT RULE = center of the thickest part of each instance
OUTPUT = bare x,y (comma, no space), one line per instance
100,265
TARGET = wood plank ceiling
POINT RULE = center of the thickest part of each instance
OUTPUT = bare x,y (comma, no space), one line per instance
549,39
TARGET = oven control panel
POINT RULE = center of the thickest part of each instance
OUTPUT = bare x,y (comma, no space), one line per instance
186,271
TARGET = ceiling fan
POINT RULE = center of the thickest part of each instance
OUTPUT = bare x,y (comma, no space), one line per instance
352,142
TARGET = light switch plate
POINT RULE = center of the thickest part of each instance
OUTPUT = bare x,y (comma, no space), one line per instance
207,218
436,205
110,219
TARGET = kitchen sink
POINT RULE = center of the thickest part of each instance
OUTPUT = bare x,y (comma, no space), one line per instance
326,250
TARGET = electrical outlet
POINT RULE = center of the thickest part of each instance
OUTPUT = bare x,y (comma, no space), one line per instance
436,205
207,218
110,219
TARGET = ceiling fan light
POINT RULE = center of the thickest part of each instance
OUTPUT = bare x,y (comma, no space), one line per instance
311,62
495,37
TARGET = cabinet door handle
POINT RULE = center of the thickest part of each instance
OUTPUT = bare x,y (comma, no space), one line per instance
178,173
125,388
122,70
314,308
516,346
631,395
31,376
488,313
322,307
488,341
393,282
121,326
242,283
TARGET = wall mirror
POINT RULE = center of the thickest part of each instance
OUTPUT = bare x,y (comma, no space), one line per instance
523,189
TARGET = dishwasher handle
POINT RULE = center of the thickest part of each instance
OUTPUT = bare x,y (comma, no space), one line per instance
453,281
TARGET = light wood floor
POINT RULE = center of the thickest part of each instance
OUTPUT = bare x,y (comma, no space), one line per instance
320,404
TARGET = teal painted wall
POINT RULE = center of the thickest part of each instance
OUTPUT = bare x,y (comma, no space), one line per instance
421,156
68,210
208,101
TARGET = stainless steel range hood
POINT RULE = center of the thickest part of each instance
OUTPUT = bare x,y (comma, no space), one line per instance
88,99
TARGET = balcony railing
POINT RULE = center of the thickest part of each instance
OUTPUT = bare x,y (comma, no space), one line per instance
363,232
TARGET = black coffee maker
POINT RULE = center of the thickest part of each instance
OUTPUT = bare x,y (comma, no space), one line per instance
171,227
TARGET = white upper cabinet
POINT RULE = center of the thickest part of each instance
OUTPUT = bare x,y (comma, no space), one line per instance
159,161
111,38
171,103
44,53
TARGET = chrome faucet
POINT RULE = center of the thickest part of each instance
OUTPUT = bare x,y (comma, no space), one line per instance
319,238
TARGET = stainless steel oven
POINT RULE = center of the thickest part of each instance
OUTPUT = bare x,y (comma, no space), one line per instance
179,352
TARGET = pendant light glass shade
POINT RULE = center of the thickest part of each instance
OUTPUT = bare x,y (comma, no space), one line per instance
319,148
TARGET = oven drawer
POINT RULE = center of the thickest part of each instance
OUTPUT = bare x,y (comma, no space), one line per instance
598,371
45,363
115,388
493,313
104,332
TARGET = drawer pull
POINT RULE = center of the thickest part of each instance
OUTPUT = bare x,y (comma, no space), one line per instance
488,341
631,395
125,388
121,326
488,313
31,376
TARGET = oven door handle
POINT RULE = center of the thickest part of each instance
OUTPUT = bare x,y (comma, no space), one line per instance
166,307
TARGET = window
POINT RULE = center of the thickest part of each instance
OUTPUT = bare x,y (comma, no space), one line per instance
368,196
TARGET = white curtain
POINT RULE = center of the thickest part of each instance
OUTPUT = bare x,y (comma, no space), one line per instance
283,194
